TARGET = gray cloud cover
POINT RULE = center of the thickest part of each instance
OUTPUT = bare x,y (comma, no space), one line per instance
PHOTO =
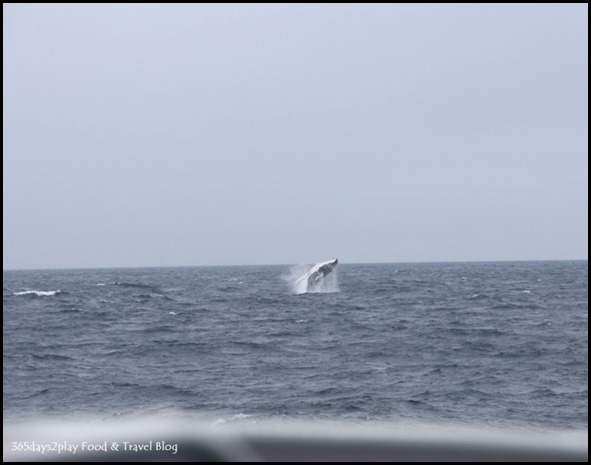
148,135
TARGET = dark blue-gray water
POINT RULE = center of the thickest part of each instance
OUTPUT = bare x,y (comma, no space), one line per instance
492,343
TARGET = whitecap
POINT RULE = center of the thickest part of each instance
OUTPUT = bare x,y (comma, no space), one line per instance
38,293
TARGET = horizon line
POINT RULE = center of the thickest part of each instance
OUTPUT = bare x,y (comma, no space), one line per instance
292,264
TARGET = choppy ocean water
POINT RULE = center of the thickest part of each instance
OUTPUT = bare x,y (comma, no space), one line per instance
488,343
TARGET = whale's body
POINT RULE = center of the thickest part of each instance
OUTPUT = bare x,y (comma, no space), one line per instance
313,277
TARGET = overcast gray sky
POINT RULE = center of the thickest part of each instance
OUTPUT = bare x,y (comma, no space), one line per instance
157,135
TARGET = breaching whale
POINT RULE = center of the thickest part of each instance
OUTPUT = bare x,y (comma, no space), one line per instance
313,277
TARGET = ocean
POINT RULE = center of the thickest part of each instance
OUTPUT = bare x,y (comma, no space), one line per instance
499,343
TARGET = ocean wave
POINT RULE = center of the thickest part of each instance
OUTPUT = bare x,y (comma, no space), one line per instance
70,310
158,388
481,348
37,394
38,293
51,357
166,328
138,285
253,344
124,384
483,331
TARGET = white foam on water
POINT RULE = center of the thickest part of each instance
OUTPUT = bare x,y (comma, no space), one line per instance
292,276
38,293
328,284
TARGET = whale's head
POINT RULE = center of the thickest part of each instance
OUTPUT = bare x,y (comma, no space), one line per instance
328,266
